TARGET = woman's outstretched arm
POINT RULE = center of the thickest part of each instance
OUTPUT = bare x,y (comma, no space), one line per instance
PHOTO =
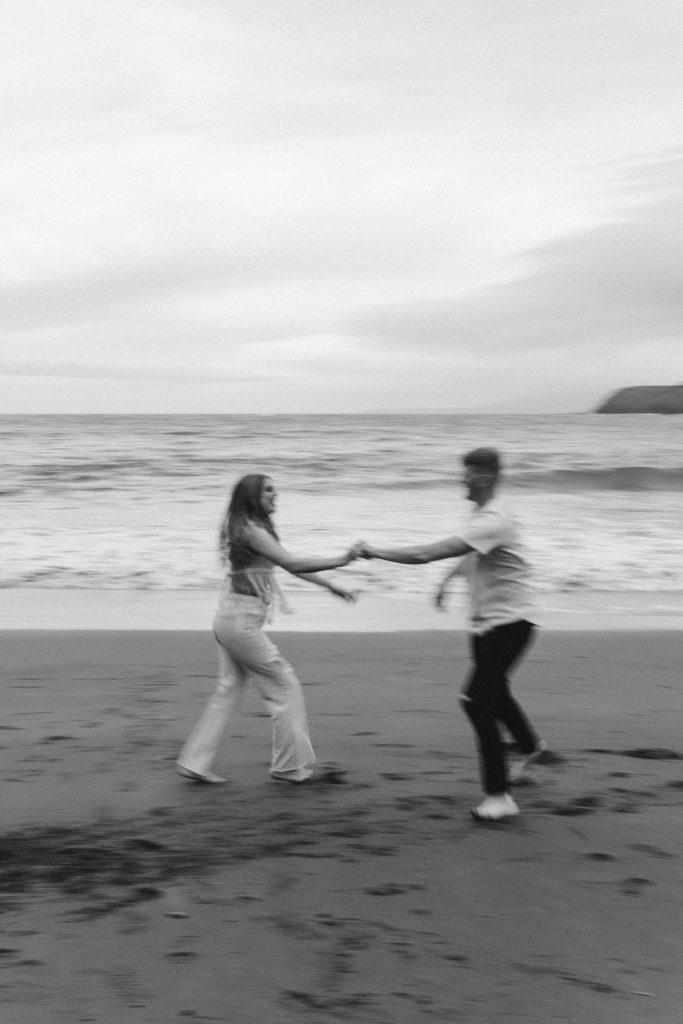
260,540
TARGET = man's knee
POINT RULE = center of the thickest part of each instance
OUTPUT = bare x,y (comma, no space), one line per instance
478,712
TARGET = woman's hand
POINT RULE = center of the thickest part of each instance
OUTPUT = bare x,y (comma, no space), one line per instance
440,597
345,595
355,552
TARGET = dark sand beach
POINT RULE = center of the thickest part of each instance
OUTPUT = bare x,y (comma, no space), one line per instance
130,895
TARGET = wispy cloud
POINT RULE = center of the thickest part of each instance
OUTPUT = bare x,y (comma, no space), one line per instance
617,284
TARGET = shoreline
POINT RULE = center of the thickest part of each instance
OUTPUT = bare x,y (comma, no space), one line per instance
33,608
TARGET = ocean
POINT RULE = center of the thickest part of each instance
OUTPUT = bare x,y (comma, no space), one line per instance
133,502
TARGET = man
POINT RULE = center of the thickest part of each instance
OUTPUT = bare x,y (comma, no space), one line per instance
500,600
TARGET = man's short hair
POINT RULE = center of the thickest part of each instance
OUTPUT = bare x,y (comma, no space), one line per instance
487,460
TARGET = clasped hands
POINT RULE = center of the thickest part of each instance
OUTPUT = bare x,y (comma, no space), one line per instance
361,549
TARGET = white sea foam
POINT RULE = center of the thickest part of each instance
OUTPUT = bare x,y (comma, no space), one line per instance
133,502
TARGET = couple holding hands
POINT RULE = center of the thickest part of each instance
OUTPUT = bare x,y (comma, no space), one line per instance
490,555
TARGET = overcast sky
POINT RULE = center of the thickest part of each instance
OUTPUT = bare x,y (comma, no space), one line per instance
339,205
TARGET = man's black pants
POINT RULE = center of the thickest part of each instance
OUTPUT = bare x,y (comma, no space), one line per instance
487,699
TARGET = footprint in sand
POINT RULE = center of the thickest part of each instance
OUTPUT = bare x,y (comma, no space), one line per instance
141,843
653,851
335,1005
579,805
391,889
406,746
634,886
592,986
652,753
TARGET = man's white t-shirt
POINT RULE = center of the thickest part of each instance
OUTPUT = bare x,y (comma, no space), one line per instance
497,569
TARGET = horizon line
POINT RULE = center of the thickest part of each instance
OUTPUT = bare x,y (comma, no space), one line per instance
273,415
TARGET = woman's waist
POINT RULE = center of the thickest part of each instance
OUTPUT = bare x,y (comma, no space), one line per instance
243,588
232,597
231,602
252,582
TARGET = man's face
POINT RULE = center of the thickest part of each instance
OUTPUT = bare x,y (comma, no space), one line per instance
477,482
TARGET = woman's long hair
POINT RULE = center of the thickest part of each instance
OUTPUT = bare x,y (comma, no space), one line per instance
244,507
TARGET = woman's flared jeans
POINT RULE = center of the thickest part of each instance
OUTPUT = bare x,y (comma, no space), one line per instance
247,654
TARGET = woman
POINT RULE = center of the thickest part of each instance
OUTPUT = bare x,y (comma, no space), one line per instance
250,549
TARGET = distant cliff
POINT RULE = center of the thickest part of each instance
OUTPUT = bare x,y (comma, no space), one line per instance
649,399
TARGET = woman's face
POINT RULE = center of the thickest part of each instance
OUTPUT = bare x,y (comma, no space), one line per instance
268,497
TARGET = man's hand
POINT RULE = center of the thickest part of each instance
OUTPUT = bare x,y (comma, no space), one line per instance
366,550
440,598
356,551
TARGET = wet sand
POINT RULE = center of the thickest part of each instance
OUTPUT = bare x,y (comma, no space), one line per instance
130,895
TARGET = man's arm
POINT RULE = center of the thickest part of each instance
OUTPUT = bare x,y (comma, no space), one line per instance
419,554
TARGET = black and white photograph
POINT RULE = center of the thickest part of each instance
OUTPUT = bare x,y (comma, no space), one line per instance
341,570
